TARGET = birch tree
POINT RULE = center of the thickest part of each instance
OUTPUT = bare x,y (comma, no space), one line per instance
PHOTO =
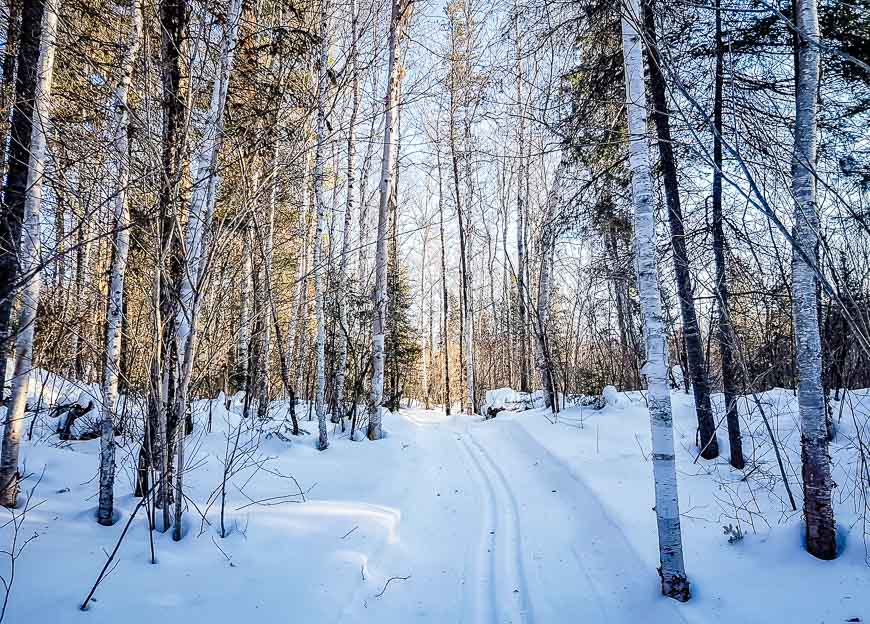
545,286
30,260
338,386
121,146
319,173
675,584
522,179
691,329
816,465
399,18
199,219
17,168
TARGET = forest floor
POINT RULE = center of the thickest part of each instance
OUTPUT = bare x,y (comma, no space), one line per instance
447,519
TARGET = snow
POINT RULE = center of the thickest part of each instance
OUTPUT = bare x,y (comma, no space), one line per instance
514,519
612,397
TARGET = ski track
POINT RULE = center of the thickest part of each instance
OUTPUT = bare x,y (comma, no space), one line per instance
508,589
512,543
540,545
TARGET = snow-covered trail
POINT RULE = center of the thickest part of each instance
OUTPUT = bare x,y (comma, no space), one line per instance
495,530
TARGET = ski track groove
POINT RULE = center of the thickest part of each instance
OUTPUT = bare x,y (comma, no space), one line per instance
505,543
487,548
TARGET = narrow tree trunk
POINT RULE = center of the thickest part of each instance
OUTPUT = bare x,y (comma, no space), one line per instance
547,247
319,173
30,260
691,329
522,321
17,169
675,584
725,334
818,510
198,229
401,14
445,303
174,17
114,313
338,383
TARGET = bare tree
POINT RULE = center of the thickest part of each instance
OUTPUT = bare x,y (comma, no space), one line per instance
818,485
30,259
121,145
675,584
399,18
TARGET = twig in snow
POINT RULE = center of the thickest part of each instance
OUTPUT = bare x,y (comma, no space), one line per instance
102,574
228,558
640,446
349,532
390,580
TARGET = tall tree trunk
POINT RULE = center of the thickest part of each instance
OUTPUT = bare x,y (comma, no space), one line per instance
400,16
14,191
521,228
545,285
675,584
115,310
243,343
726,336
818,510
174,17
691,330
319,173
30,259
445,303
198,232
427,352
10,51
338,384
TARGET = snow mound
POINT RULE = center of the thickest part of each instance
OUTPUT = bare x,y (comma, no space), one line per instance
612,397
502,398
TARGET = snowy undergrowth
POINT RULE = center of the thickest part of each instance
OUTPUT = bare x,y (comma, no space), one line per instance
757,571
280,554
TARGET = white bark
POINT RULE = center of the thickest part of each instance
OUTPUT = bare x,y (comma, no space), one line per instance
545,285
205,179
818,483
401,14
204,168
672,570
30,260
114,318
243,355
338,386
319,165
521,215
301,281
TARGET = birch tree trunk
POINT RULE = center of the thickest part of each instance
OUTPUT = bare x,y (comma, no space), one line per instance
319,165
17,168
521,213
114,314
243,354
30,260
691,330
675,584
545,287
426,352
338,385
816,467
199,219
445,303
399,18
301,281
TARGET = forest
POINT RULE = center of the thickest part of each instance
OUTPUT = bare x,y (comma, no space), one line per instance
452,310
